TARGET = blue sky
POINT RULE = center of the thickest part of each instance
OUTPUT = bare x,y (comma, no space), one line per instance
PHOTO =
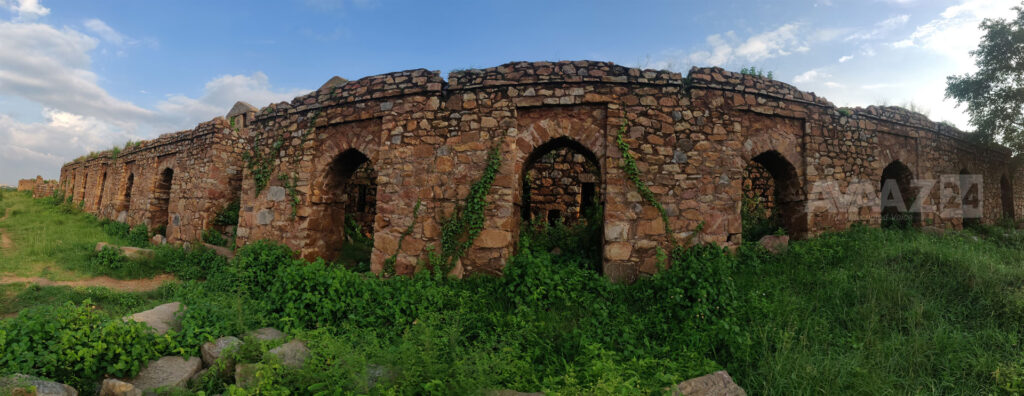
77,76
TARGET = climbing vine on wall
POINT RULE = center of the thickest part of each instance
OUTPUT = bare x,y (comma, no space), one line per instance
633,173
389,264
459,231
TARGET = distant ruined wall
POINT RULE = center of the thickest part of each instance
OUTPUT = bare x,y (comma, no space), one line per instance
296,166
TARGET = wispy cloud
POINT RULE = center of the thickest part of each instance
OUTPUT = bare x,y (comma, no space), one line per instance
879,29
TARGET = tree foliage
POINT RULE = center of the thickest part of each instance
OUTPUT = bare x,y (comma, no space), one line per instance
995,93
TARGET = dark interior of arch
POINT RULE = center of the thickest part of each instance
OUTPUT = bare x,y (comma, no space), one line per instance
126,197
897,197
970,199
161,200
99,197
347,209
772,197
561,183
1006,196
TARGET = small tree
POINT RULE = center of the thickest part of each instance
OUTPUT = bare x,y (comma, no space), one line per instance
995,94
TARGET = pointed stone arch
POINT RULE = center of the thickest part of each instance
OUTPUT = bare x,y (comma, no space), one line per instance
898,196
159,209
772,183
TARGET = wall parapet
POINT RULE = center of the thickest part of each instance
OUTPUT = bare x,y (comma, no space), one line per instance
515,73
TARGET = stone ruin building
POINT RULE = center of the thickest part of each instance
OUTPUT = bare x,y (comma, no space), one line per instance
38,186
371,149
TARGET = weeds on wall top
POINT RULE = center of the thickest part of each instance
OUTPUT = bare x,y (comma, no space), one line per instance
754,71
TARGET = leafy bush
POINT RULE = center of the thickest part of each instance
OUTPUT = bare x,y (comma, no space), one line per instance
228,216
195,263
258,262
214,237
109,259
75,344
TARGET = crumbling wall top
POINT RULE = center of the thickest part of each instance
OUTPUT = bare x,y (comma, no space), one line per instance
718,78
565,71
337,91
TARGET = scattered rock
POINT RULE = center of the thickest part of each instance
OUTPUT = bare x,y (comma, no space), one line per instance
245,374
718,383
27,385
266,334
195,378
169,371
161,318
158,240
136,253
212,351
128,251
292,354
775,243
114,387
220,250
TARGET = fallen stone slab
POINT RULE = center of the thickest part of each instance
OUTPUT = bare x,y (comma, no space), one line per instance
27,385
212,351
775,243
168,371
266,334
718,383
292,354
161,318
129,251
221,251
116,387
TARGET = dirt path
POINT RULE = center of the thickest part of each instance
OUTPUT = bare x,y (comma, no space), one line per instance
5,241
129,285
7,213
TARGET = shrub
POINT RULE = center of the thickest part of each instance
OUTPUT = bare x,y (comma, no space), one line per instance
228,216
75,344
214,237
108,259
257,263
197,262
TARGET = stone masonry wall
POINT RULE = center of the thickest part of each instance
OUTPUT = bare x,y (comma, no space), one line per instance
295,166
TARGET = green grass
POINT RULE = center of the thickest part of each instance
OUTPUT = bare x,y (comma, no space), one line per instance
50,242
884,312
865,311
19,296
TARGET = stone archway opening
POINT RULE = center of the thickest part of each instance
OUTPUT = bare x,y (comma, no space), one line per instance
561,194
1006,197
99,197
126,196
970,198
897,197
345,207
160,207
772,198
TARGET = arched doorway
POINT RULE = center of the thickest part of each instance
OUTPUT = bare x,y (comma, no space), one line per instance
99,197
898,196
1006,196
126,196
561,188
344,207
161,202
772,198
970,198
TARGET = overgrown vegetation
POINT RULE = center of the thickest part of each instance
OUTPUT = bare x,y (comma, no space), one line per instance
867,310
754,71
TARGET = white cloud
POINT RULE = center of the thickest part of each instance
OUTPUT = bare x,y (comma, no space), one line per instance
25,9
48,71
221,93
833,84
810,75
727,48
845,58
105,31
880,28
779,42
956,31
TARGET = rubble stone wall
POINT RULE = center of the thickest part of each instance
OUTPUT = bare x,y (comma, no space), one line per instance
295,165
